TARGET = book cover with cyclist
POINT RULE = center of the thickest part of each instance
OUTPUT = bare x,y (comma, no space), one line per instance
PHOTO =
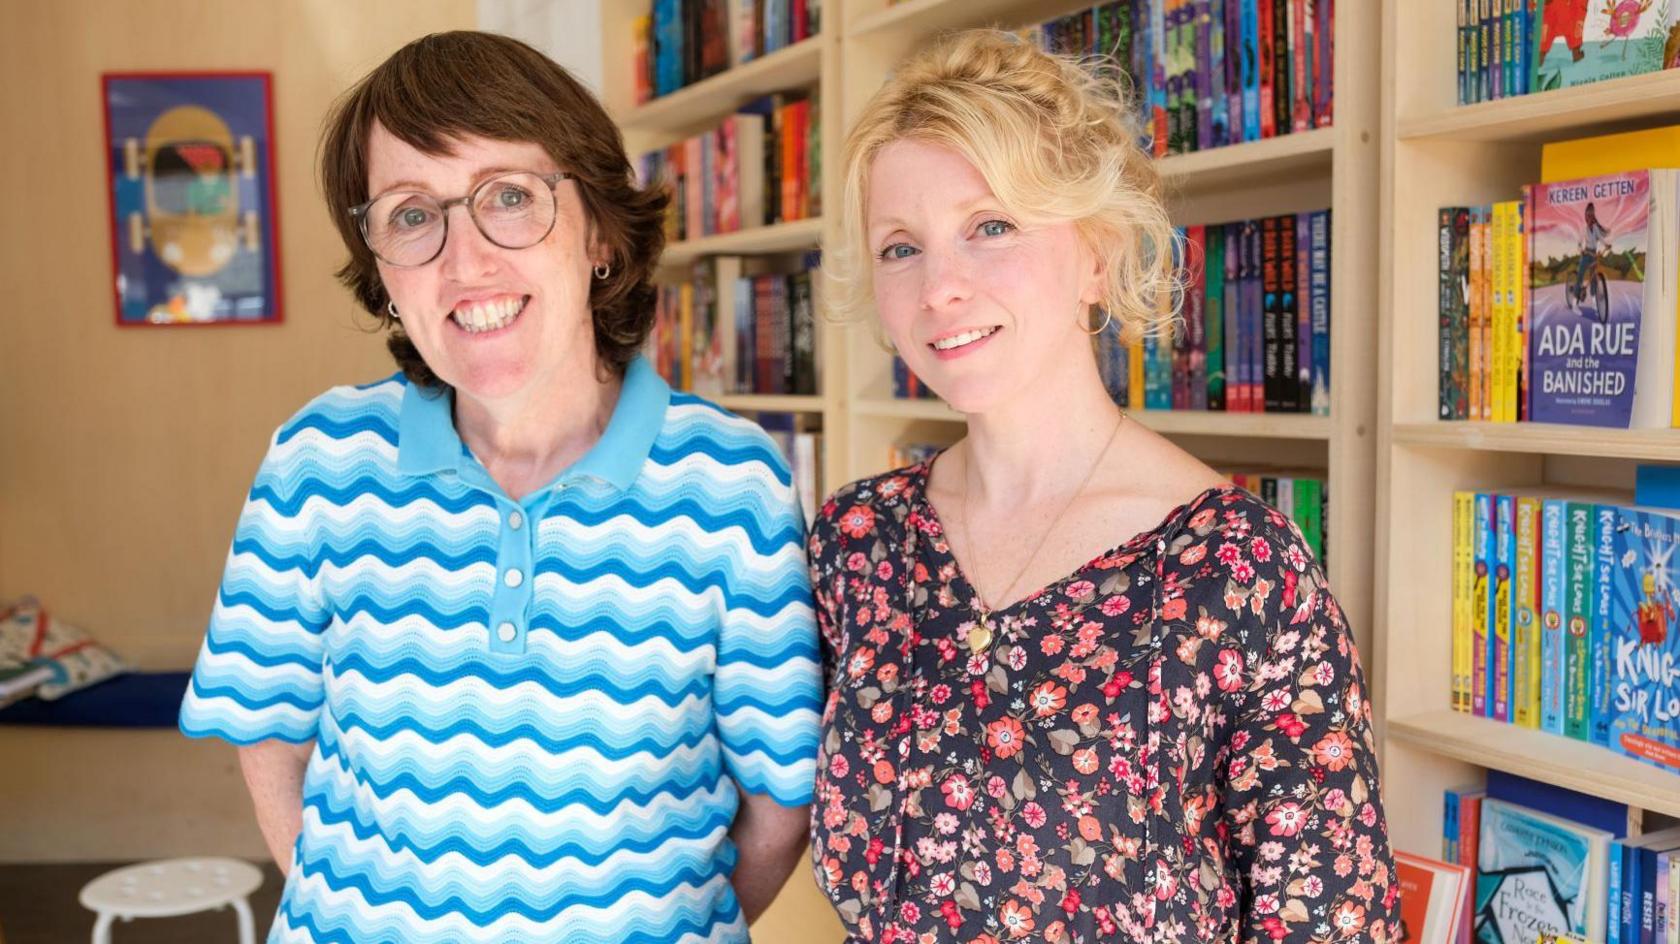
1587,276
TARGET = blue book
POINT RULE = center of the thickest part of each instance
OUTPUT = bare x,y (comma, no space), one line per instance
1657,486
1449,826
1553,581
1588,810
667,46
1536,872
1502,615
1639,638
1319,286
1250,71
1482,677
1613,920
1606,573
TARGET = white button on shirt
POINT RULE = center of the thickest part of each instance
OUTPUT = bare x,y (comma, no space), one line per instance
506,632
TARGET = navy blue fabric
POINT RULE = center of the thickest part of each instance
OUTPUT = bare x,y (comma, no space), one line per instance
130,700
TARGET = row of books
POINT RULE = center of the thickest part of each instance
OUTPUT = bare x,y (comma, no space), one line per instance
1514,47
1254,336
735,326
680,42
761,165
1560,306
803,449
1564,616
1209,73
1550,860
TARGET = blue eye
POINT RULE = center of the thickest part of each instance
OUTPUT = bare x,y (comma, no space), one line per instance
996,227
897,251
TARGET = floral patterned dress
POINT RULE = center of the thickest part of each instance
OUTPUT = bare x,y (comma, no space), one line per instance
1172,743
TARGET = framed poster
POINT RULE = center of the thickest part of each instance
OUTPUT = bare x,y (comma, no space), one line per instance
194,221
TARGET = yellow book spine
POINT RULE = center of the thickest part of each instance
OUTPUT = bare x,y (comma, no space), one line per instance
1513,306
685,339
1496,291
1463,562
1134,373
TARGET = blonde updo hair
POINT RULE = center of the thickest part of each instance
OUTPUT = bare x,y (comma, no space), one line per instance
1054,139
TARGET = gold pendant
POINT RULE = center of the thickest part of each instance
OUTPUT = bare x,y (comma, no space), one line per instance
980,637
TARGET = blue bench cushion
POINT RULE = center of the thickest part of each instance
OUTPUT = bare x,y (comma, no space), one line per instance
130,700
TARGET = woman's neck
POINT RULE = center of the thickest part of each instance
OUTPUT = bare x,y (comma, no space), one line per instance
1040,445
526,440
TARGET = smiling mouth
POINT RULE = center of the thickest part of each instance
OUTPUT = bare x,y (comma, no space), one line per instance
964,339
489,315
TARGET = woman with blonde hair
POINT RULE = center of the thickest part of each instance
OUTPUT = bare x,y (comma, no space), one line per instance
1080,687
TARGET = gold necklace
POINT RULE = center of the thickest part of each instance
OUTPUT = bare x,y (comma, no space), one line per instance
980,636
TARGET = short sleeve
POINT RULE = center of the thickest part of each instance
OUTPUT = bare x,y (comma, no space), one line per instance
768,684
1303,809
258,675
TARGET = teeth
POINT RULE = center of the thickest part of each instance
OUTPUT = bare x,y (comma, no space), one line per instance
958,340
492,315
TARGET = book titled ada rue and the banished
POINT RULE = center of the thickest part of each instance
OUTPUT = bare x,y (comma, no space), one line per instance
1603,296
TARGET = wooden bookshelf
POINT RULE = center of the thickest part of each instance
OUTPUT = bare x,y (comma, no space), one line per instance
770,403
757,240
1435,154
795,66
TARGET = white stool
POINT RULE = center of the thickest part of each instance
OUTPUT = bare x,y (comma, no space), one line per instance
172,887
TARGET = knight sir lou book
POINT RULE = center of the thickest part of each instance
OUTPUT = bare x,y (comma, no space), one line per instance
1644,646
1602,281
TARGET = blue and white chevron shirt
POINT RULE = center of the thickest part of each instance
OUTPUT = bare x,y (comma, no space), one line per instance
530,717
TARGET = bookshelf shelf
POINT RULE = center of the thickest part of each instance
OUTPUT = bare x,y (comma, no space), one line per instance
1182,422
1543,438
1291,155
931,16
782,237
770,403
1529,118
709,99
1587,768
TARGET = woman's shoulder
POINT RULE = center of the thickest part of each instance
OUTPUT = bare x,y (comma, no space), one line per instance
344,410
1237,554
858,511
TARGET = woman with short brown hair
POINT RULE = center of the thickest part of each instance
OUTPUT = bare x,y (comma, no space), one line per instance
517,644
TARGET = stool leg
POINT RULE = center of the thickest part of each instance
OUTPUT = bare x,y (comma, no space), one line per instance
102,928
242,908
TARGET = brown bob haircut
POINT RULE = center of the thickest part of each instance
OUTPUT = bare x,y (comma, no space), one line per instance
449,86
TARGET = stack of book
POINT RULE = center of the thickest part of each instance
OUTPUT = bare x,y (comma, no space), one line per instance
762,165
1513,47
803,450
681,42
1254,331
1565,618
737,327
1554,862
1560,306
1209,73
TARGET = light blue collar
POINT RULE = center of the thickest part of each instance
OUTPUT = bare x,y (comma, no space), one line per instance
427,442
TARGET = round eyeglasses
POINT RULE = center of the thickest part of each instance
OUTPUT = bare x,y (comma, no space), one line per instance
408,228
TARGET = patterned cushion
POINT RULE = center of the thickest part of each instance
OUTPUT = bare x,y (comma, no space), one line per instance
29,637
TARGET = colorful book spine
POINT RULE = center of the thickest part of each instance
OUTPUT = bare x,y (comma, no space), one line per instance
1553,603
1464,567
1525,640
1601,632
1213,307
1577,652
1481,590
1444,312
1320,303
1503,601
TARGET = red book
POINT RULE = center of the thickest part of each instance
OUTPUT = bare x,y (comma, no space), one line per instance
1433,898
1268,108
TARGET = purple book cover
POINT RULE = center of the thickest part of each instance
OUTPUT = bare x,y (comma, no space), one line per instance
1216,68
1203,25
1586,277
1303,312
1256,310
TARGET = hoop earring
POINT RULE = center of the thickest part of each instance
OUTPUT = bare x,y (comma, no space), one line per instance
1100,328
391,309
603,270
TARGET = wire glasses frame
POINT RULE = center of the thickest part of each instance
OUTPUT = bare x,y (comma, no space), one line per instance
416,242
